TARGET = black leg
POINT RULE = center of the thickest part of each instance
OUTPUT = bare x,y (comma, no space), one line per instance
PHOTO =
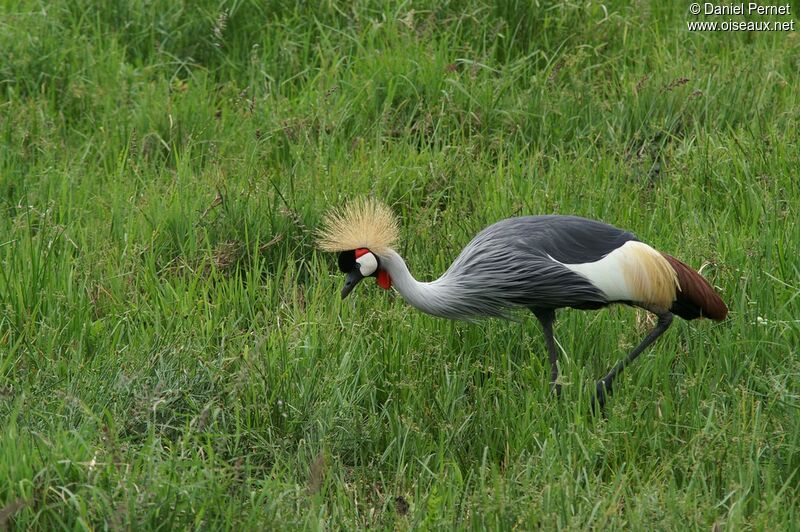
604,385
546,318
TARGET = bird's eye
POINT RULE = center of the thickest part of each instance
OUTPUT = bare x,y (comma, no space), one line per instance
368,264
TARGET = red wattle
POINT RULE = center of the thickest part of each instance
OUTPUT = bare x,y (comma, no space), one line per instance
384,281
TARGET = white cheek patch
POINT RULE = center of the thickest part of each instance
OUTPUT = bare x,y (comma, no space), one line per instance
368,264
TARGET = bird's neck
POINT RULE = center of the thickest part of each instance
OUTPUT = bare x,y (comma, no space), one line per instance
427,297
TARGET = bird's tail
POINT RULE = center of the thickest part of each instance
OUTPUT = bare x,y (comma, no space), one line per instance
696,298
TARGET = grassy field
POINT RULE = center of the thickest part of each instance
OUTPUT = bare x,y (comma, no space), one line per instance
174,352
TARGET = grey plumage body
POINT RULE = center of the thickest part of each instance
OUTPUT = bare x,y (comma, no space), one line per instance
515,263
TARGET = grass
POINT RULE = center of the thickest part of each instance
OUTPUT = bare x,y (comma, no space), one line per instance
174,352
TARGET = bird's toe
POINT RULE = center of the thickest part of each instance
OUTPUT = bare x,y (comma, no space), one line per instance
602,391
556,389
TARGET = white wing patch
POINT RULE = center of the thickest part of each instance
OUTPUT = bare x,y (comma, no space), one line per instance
606,274
633,272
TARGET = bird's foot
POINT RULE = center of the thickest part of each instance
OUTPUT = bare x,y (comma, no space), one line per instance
556,389
602,392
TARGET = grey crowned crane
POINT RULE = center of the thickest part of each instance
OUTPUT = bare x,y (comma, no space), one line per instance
541,263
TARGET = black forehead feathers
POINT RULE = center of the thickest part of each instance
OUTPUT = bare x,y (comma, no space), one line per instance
347,260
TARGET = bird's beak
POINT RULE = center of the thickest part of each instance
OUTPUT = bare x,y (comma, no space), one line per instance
353,278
